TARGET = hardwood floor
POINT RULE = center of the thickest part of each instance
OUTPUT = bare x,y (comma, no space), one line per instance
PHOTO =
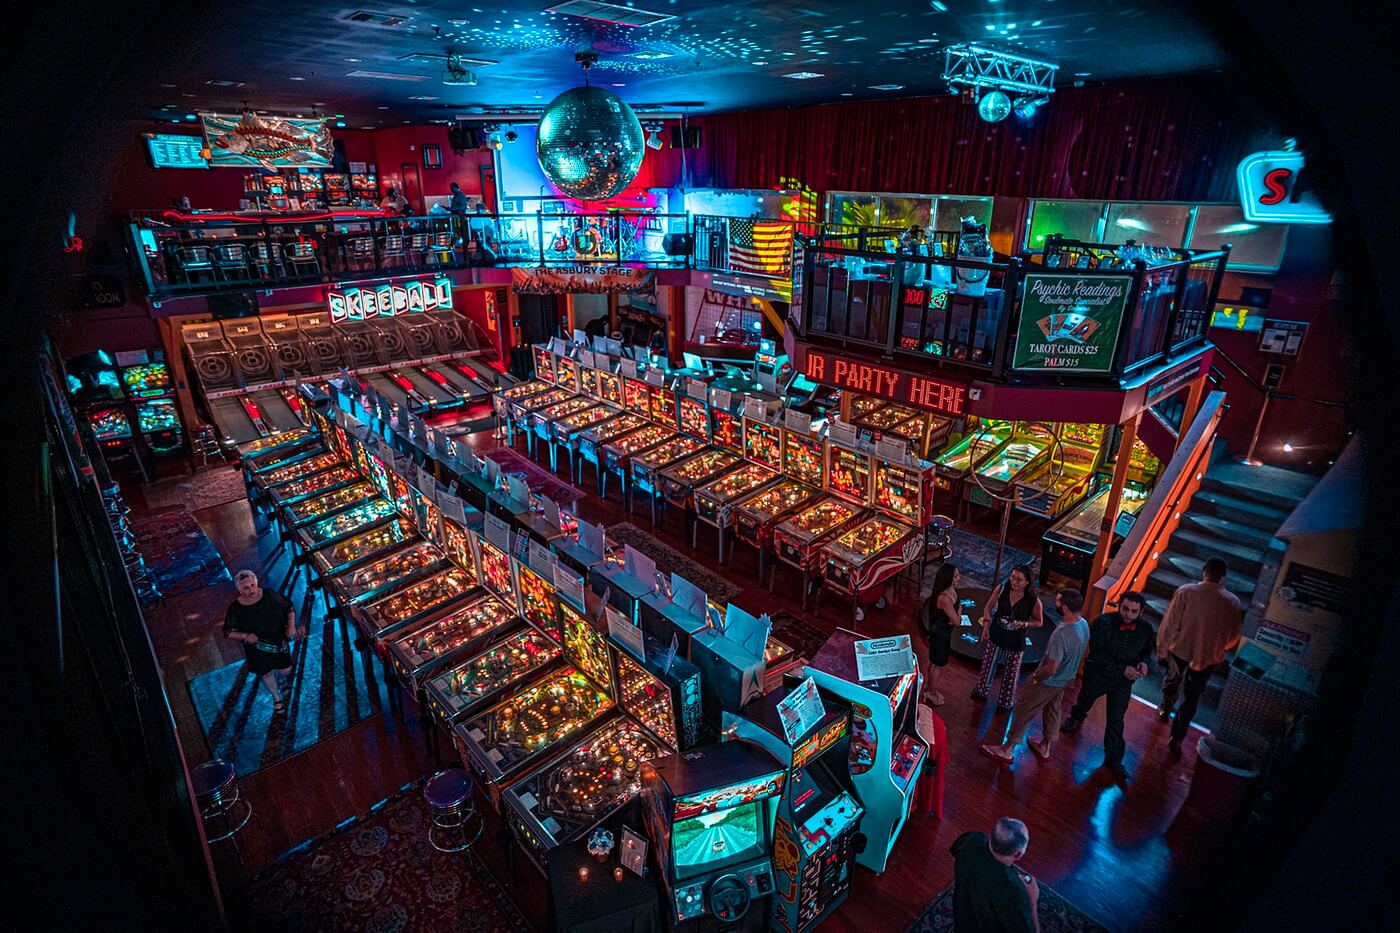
1122,854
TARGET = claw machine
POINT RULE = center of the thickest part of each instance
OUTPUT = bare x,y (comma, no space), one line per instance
710,814
885,753
819,816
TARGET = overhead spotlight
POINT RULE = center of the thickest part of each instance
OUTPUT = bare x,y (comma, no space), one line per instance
496,143
654,140
1025,107
512,136
994,106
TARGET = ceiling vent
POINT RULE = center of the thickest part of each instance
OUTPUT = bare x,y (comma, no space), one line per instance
384,75
370,18
609,13
218,83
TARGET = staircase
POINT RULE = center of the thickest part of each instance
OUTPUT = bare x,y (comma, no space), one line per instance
1234,516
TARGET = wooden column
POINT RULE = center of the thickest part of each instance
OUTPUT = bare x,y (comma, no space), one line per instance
613,325
1195,393
1110,513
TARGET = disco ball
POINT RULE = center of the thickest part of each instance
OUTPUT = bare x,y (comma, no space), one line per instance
994,107
590,143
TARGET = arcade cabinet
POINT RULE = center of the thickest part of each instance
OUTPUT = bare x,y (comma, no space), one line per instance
710,815
817,835
885,750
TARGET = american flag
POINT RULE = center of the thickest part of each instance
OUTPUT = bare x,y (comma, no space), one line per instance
760,247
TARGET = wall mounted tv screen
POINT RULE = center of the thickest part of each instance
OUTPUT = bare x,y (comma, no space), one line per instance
169,150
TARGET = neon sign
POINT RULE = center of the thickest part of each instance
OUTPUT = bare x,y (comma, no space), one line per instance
1274,190
356,303
949,398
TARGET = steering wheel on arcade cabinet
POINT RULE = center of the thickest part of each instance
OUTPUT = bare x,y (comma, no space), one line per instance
729,898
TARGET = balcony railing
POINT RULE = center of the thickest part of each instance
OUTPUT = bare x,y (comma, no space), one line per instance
187,254
963,314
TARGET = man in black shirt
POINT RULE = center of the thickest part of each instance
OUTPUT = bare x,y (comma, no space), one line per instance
1121,645
991,895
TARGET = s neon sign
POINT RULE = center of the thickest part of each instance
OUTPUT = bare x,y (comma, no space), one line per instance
1274,189
359,303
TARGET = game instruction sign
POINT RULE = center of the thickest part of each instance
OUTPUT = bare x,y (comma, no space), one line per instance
801,710
878,658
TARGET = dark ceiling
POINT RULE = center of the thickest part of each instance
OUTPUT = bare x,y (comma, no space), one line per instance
289,57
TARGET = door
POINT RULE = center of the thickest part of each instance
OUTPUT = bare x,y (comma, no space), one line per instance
413,187
488,187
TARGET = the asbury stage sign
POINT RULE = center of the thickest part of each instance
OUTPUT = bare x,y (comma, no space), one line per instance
1070,322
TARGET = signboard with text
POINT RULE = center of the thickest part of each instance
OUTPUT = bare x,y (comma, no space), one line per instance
359,302
940,395
1070,322
1274,190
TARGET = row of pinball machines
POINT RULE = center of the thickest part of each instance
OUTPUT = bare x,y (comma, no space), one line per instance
564,725
246,368
846,517
128,403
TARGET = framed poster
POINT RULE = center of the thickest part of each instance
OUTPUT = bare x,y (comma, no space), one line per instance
1070,322
432,155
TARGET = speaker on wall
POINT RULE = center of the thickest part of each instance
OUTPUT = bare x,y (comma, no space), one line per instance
690,141
233,304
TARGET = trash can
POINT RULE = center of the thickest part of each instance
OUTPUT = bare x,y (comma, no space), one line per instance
1224,777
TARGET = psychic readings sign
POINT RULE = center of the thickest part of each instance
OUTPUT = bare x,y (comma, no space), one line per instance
1070,322
359,302
595,280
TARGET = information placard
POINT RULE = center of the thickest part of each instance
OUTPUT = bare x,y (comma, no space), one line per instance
801,710
625,634
877,658
569,585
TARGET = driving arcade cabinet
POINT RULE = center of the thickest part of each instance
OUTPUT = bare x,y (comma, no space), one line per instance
816,837
885,751
710,814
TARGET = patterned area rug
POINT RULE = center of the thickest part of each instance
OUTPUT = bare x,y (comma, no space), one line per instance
539,480
332,688
178,552
804,637
1057,915
669,560
380,874
212,487
976,557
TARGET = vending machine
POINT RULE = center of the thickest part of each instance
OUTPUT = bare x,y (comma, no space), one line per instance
817,834
710,814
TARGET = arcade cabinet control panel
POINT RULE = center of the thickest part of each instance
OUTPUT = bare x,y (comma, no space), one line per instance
692,900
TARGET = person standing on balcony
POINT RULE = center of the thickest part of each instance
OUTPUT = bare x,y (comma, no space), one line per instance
1012,608
459,202
1202,623
1120,645
394,203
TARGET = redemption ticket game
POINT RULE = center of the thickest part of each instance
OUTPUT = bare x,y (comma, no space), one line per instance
710,814
885,751
817,835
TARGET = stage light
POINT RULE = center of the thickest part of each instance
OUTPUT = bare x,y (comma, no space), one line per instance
994,106
1025,108
653,140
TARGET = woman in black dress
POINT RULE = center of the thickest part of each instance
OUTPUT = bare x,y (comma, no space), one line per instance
1012,608
264,621
939,615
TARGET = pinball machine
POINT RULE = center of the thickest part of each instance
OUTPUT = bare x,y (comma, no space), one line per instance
763,443
904,490
658,714
1063,478
565,432
345,524
610,388
646,466
756,515
370,544
274,442
727,429
503,399
592,440
661,404
544,363
327,503
152,396
1025,451
521,412
619,454
540,422
679,481
111,427
715,501
816,835
710,815
300,466
566,373
465,678
636,396
859,562
980,443
412,604
694,417
804,457
886,753
392,570
799,539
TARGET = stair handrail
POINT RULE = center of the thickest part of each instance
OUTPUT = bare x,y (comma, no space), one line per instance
1159,517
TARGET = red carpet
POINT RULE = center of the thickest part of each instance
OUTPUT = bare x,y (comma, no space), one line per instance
379,873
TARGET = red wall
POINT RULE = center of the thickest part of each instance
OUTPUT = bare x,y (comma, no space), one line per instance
394,147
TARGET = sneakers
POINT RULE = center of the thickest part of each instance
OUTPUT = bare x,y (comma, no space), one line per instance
1071,725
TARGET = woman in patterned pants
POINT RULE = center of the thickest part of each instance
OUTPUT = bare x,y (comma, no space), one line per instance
1012,608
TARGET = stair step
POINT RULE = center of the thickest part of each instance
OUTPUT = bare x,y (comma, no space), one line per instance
1235,509
1243,559
1282,489
1166,578
1227,530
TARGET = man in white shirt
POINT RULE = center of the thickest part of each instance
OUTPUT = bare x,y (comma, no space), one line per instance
1202,623
394,202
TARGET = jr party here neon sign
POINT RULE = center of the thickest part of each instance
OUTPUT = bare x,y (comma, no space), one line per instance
362,302
1274,190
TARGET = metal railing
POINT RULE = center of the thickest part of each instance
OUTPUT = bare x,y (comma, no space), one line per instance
964,313
190,254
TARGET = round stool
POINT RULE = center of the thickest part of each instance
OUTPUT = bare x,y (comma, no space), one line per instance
448,795
939,538
221,806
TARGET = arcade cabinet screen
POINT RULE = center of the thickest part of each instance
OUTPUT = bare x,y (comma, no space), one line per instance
710,839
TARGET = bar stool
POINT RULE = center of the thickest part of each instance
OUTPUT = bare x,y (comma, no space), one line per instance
206,443
221,805
448,795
